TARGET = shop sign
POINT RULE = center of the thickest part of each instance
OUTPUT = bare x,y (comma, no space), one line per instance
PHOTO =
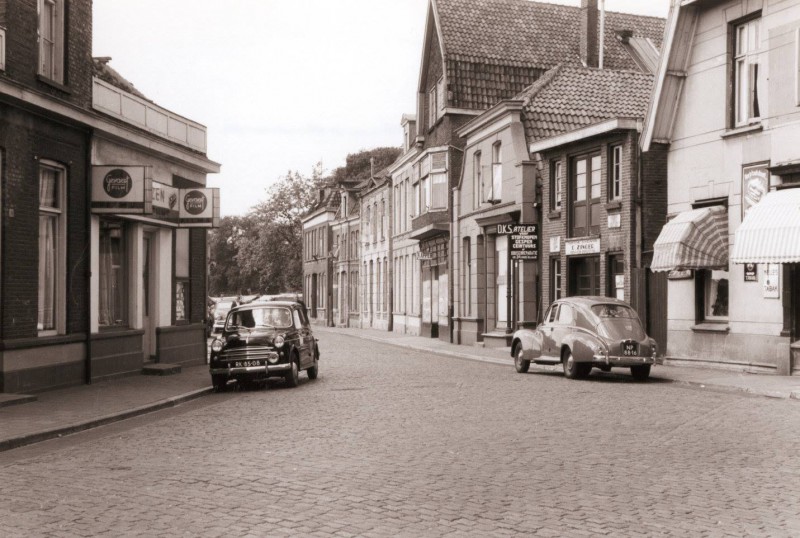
555,244
755,185
750,272
772,281
165,202
198,208
580,247
683,274
615,220
121,189
523,240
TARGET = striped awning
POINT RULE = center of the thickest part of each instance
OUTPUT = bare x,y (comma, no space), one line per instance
770,232
696,239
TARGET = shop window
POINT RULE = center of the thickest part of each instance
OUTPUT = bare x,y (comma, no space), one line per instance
746,45
585,177
556,185
555,279
51,39
52,248
712,295
615,173
616,276
113,300
181,275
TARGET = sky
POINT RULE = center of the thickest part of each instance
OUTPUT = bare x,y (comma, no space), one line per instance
280,84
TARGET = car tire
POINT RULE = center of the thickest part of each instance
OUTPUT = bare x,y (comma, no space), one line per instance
219,382
293,375
573,369
521,364
641,372
313,372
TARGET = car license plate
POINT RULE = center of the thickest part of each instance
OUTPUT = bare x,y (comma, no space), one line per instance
245,364
630,349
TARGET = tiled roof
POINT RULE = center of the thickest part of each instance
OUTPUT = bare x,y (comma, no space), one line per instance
567,98
106,73
495,48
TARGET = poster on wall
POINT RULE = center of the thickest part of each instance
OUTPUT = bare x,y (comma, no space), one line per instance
755,185
750,272
772,281
121,189
180,301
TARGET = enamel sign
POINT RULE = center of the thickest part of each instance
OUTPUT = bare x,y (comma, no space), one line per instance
121,189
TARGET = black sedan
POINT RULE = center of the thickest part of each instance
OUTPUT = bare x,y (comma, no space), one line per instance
263,340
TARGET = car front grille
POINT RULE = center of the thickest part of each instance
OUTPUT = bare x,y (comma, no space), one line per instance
248,353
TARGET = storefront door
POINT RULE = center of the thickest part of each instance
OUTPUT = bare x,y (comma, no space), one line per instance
501,274
584,276
149,297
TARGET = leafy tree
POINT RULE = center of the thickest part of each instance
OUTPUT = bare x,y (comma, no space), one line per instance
225,277
357,165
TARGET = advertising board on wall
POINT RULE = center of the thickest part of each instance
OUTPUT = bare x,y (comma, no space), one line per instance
121,189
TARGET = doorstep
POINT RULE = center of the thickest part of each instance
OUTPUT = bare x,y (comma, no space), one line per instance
497,339
161,368
14,399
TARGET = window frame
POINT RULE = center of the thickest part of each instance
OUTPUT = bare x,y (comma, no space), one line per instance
703,280
744,61
556,279
556,184
615,156
54,70
477,182
592,203
497,172
59,214
106,223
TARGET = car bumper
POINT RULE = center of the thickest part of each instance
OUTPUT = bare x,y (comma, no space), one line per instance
610,360
252,370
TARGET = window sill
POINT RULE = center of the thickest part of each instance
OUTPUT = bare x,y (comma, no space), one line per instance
554,214
711,327
54,84
739,131
614,204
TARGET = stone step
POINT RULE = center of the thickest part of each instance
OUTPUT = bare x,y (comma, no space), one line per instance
161,368
494,340
14,399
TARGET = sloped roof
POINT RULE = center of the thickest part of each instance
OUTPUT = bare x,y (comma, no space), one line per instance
567,98
535,34
106,73
495,48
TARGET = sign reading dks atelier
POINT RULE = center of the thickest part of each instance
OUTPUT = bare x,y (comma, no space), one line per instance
130,190
523,240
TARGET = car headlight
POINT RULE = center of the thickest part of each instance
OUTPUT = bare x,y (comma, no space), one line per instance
216,345
273,359
278,341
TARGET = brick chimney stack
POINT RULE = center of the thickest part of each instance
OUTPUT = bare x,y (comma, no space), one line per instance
589,48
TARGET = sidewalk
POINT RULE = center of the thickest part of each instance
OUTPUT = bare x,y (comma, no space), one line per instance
30,419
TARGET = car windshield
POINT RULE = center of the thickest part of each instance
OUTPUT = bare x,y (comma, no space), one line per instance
618,322
268,316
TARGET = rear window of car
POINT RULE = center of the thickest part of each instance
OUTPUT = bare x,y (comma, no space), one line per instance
272,316
224,305
618,322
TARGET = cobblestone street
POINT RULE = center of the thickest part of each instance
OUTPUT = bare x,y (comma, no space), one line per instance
391,442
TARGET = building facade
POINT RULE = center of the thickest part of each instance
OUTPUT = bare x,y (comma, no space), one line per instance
726,102
91,285
317,256
346,230
376,252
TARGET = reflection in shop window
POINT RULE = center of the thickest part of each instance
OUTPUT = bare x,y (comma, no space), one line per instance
715,295
113,304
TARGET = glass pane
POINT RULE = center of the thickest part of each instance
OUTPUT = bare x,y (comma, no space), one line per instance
716,294
753,35
48,188
580,192
741,39
580,167
47,271
741,92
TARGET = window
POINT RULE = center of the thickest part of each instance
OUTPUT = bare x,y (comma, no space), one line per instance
497,173
383,220
556,185
424,187
746,43
181,274
438,190
375,222
616,276
431,107
565,315
51,39
113,301
555,279
52,249
615,173
585,196
712,295
477,182
467,284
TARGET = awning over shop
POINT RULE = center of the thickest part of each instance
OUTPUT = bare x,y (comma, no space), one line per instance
770,232
696,239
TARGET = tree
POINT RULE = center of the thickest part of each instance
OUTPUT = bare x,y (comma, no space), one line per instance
225,277
358,166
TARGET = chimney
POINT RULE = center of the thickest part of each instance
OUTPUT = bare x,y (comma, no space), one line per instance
588,36
372,167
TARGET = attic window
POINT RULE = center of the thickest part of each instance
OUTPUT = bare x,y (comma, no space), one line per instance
51,39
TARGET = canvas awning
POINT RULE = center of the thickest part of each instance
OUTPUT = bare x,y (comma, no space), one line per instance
770,232
696,239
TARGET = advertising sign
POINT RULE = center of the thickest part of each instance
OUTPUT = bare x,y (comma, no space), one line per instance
755,185
124,189
523,240
580,247
750,272
198,208
555,244
165,202
772,281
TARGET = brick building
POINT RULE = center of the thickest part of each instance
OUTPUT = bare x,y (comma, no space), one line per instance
346,232
57,131
317,255
376,251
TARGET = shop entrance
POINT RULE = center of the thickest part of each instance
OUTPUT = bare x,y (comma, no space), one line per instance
584,276
149,297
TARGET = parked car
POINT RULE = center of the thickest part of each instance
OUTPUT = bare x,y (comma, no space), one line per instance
583,333
263,340
221,310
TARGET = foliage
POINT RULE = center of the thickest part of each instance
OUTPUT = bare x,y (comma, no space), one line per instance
357,165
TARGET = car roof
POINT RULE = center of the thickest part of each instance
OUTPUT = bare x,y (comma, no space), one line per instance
588,301
257,304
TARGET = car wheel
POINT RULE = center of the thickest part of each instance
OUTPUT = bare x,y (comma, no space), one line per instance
219,382
640,373
519,363
313,372
293,375
573,369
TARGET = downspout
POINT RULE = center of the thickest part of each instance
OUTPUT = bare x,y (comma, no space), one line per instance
87,369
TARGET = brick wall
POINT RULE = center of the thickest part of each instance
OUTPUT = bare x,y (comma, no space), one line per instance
197,274
23,139
654,197
22,50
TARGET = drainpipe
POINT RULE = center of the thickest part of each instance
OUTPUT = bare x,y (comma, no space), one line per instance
88,241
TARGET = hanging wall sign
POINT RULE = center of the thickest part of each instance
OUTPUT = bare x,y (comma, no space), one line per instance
165,202
199,208
750,272
122,189
772,281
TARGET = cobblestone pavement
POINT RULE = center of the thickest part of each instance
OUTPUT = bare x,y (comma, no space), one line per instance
394,442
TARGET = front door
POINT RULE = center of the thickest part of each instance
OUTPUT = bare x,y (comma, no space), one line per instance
149,296
501,281
584,276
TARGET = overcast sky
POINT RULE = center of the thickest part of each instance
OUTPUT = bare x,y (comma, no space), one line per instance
280,84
